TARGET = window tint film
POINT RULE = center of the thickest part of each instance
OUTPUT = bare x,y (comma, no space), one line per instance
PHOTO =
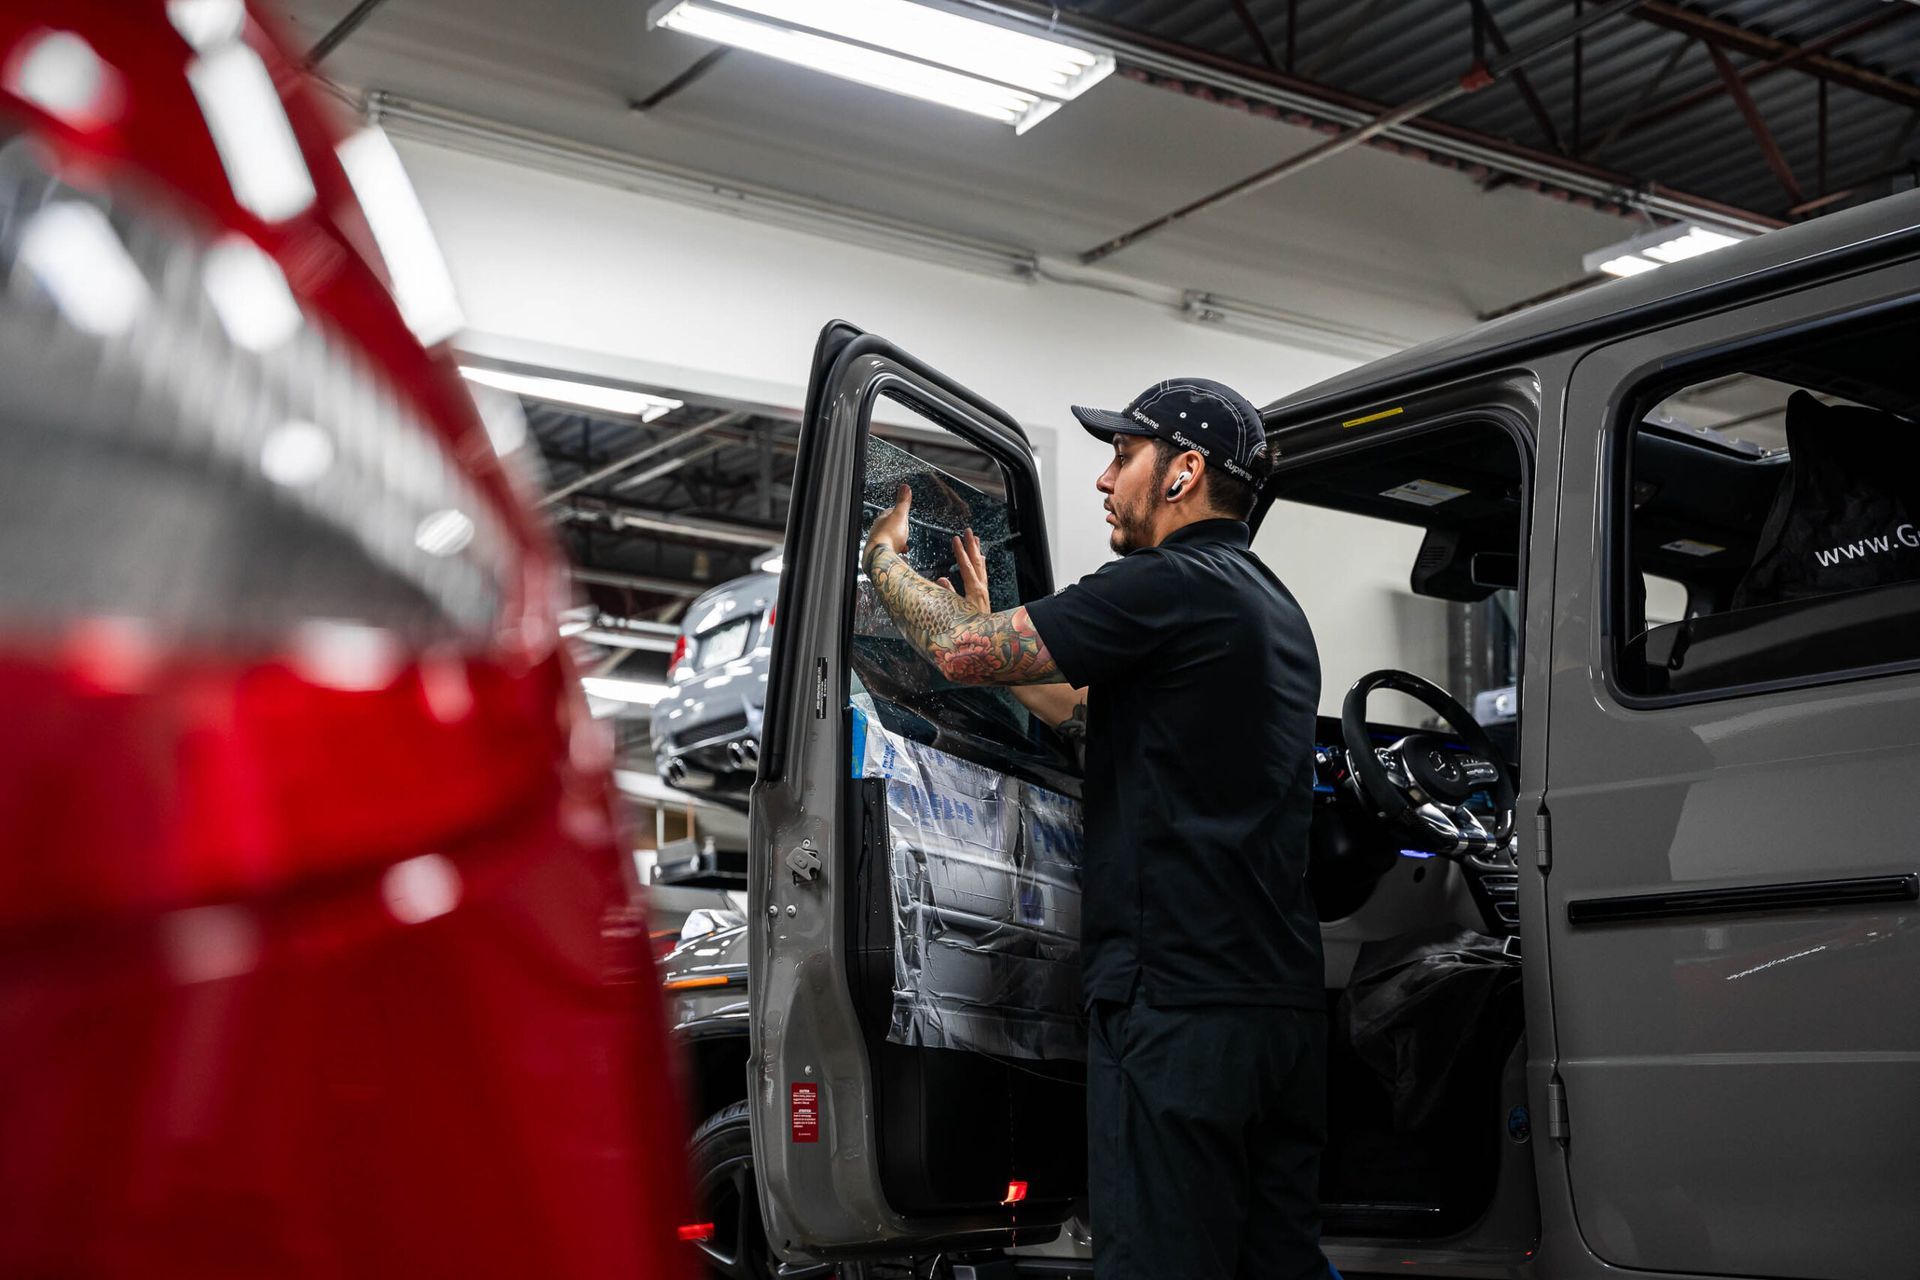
1779,497
955,488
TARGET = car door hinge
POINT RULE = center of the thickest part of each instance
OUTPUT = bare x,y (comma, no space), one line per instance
1557,1109
1542,840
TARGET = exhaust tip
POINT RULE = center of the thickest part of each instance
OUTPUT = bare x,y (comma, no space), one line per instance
735,755
675,773
750,751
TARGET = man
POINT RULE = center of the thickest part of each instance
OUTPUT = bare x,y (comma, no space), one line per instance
1201,949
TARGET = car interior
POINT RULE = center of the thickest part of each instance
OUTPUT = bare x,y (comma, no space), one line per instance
1419,909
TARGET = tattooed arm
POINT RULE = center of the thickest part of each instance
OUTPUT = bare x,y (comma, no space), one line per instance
969,645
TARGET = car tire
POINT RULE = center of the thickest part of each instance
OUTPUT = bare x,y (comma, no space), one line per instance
721,1164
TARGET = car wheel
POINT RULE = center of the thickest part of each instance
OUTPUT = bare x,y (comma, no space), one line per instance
721,1156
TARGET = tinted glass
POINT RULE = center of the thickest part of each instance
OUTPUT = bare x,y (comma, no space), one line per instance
1780,498
955,488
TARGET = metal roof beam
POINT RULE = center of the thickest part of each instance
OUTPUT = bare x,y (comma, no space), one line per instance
639,582
1642,117
1625,123
1541,115
337,36
1750,111
682,81
620,516
1760,45
637,456
1254,34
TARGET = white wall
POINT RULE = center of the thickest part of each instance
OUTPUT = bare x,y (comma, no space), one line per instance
586,277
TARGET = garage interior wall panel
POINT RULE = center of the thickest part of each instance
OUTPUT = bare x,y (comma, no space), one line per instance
588,278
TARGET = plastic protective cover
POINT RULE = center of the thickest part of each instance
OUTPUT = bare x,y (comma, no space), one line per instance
985,877
1414,1002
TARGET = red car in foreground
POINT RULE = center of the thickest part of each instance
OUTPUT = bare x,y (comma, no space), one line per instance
315,954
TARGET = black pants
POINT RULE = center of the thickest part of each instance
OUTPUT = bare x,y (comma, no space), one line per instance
1204,1131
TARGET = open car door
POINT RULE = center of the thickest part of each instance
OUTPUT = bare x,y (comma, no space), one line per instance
917,1069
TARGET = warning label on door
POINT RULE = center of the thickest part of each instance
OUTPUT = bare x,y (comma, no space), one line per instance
806,1113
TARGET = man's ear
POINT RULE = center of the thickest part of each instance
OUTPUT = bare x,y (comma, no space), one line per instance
1192,464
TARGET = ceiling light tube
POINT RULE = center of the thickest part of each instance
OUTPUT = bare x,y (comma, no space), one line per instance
422,286
251,132
641,693
953,40
1656,248
903,47
588,395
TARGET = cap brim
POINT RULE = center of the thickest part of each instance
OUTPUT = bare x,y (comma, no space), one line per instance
1104,424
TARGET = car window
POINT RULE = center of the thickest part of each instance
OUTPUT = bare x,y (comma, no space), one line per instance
955,488
1770,516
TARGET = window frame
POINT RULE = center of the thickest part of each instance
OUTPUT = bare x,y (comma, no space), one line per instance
1634,396
1507,401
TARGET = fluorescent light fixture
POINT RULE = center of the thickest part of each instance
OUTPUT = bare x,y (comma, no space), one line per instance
74,252
249,294
205,24
1628,264
640,692
627,640
1697,241
251,132
1655,249
60,73
589,395
421,284
904,47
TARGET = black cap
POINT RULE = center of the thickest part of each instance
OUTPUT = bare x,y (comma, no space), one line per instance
1192,413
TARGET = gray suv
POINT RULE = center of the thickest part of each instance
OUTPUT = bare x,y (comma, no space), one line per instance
1618,989
706,731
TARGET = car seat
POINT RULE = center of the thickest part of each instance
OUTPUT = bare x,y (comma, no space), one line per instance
1852,485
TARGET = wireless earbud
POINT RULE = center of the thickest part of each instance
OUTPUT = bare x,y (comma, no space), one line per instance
1179,483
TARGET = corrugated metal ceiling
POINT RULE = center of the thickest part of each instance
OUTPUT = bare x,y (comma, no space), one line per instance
1392,51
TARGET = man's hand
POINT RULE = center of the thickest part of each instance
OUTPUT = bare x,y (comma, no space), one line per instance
1053,703
973,573
959,634
890,528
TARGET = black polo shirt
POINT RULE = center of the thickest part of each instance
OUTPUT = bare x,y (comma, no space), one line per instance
1202,685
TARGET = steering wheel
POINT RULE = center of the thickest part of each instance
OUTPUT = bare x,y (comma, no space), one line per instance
1421,783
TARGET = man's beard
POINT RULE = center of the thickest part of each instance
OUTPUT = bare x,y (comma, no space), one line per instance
1130,531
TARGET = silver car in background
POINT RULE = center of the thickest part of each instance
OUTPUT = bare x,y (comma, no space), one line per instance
706,732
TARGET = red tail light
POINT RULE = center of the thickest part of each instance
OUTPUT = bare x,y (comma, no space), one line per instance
770,613
696,1231
679,656
1016,1192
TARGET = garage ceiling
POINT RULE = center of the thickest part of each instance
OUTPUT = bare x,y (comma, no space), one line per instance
1491,200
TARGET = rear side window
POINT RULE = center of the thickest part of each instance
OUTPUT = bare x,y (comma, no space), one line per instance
1768,516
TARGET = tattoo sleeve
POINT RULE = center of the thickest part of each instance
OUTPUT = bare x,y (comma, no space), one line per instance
968,645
